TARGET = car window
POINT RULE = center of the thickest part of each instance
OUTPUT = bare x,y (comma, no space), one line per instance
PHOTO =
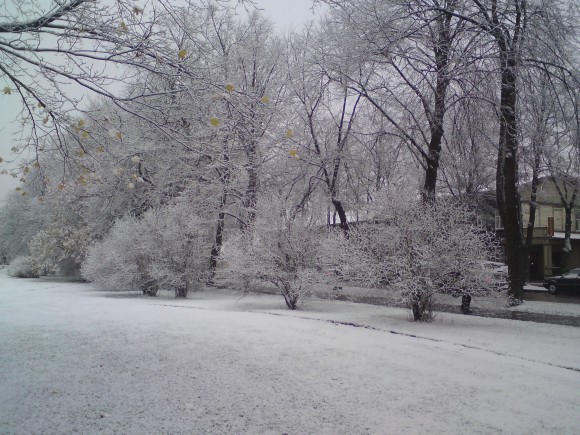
571,275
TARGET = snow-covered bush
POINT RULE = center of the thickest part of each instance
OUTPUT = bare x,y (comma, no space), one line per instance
21,267
60,247
166,248
280,247
421,250
20,219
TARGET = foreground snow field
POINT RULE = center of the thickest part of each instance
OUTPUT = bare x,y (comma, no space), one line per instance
76,359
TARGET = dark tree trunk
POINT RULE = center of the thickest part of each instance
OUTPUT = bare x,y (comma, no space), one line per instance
421,306
508,198
465,304
216,248
441,51
250,198
432,169
341,215
181,292
290,297
218,241
532,214
567,204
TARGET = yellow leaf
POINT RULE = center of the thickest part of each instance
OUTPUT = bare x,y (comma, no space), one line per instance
45,120
40,106
81,123
81,153
26,170
182,53
293,153
85,135
289,133
230,87
215,122
24,193
18,189
60,186
82,180
100,149
123,26
22,180
36,165
265,99
6,91
118,135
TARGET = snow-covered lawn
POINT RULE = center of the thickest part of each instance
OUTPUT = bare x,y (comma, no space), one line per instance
76,359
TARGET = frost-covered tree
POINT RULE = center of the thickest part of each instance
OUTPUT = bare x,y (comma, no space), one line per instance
413,52
281,247
165,249
60,246
323,119
20,219
421,250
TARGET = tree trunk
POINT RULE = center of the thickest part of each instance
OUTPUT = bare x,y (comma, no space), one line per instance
216,248
421,305
341,215
532,214
465,304
568,228
250,198
508,198
290,297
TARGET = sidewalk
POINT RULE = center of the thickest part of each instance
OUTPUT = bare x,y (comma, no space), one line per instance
494,312
538,304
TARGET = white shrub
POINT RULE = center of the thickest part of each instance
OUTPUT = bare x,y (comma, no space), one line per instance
21,267
163,249
59,247
421,250
281,248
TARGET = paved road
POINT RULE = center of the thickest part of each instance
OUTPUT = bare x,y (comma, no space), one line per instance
501,313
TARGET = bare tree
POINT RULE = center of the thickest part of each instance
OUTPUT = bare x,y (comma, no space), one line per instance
326,114
416,52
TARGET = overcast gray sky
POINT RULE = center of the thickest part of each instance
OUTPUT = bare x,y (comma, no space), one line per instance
286,14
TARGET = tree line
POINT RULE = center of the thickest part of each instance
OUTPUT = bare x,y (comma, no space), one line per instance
208,130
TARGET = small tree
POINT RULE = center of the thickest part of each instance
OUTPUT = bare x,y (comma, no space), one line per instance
163,249
60,247
422,249
280,247
20,219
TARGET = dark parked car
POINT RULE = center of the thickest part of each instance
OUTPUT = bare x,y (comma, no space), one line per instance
569,281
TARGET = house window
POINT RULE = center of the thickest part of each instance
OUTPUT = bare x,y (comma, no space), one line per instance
498,222
577,216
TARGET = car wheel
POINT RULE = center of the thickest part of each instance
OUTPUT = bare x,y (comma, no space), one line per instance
552,289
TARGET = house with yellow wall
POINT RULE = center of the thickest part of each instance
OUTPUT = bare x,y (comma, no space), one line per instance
548,255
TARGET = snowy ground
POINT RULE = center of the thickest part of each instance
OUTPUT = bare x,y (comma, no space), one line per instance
75,359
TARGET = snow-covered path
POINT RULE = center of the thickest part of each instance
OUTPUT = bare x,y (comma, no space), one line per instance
74,359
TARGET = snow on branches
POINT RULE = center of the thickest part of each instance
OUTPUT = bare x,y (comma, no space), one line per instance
280,247
421,250
161,250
